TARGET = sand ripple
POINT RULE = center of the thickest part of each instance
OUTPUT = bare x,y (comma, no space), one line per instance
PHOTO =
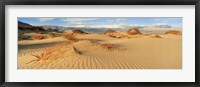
124,54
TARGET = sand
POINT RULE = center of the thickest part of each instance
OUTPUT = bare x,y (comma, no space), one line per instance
91,52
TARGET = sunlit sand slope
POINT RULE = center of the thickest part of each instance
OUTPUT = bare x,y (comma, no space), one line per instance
95,51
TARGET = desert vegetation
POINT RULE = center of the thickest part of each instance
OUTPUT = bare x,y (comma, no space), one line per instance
110,31
175,32
155,36
107,45
70,37
133,31
78,31
50,53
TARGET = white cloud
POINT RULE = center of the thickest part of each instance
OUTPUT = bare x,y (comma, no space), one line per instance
95,26
156,24
45,19
122,26
159,20
78,19
164,20
117,21
81,23
138,25
121,19
106,26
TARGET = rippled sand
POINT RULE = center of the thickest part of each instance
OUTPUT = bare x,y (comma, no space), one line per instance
143,52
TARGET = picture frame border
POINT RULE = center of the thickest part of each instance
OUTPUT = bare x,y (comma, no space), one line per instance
99,2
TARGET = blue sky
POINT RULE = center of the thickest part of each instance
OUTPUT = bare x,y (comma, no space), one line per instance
103,21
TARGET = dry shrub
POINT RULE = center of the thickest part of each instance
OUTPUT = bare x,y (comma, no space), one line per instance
133,31
70,37
107,45
175,32
38,37
52,53
76,51
47,54
78,31
155,36
110,31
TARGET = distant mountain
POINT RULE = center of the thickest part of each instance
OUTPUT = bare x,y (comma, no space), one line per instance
60,28
23,24
98,30
162,26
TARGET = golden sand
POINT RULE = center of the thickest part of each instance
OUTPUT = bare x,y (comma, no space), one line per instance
98,51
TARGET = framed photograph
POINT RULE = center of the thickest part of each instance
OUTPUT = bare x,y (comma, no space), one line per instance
100,43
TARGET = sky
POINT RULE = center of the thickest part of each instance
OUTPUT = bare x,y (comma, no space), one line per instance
105,22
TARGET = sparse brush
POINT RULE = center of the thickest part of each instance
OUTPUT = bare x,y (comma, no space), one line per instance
75,50
46,54
70,37
107,45
175,32
78,31
155,36
110,31
133,31
42,57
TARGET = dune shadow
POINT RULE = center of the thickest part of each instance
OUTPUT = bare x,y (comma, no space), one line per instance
39,45
95,40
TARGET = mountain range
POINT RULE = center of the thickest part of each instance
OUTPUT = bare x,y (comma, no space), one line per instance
102,29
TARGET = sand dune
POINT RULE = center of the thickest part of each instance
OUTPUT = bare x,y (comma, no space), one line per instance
98,51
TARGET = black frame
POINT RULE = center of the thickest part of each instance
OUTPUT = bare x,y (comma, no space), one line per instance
99,2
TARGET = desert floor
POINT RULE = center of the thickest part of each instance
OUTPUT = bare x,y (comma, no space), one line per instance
141,52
